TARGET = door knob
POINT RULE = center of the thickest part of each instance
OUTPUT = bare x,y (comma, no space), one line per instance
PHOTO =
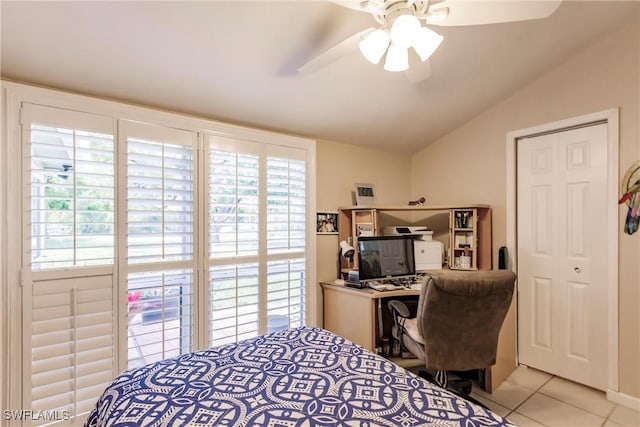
577,269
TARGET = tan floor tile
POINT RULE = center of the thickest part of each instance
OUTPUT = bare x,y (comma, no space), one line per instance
498,409
508,394
529,377
522,421
578,395
625,416
552,412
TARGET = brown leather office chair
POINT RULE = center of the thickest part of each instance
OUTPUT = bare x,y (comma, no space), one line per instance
457,323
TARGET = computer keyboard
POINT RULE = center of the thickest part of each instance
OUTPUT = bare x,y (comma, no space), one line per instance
392,284
383,286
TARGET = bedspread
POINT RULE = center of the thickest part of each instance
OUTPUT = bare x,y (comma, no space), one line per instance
297,377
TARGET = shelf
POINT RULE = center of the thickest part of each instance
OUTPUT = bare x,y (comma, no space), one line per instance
415,208
476,234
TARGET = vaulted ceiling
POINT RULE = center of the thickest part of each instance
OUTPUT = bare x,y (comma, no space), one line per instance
237,61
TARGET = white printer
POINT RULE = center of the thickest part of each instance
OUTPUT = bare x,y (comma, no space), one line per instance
394,230
428,252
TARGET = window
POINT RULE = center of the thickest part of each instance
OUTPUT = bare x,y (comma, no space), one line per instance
179,239
159,202
285,234
72,197
160,242
69,298
160,315
233,204
234,303
285,205
256,215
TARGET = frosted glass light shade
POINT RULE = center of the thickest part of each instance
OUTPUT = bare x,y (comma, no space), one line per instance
397,58
374,45
404,29
426,42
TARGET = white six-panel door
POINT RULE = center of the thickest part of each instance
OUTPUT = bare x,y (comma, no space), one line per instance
562,253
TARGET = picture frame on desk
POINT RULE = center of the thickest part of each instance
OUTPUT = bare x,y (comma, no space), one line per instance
365,194
327,222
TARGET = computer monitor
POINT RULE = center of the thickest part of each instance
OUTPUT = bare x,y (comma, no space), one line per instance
385,257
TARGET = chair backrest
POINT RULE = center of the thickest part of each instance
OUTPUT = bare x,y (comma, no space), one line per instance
460,314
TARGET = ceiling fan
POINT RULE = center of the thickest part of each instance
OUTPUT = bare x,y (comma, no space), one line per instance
400,27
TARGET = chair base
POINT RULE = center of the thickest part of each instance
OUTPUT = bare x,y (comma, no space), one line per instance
462,387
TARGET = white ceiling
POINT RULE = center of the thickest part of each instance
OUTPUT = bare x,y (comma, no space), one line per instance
237,61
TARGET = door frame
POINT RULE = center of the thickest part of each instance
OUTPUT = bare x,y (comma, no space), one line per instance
611,117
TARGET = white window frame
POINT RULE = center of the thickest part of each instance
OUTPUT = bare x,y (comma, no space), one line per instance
13,95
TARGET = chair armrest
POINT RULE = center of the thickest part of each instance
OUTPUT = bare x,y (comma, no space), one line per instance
398,308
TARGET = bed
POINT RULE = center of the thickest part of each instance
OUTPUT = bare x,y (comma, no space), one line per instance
305,376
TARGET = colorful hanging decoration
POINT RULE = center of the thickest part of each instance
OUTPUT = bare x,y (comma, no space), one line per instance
631,196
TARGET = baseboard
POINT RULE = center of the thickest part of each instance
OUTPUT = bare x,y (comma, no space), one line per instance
624,399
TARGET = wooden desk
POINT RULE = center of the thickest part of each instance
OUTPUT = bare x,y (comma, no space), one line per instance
353,313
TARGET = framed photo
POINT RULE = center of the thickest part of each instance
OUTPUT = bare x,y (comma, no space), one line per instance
365,194
327,222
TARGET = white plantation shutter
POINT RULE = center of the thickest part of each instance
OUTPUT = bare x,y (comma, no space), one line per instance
160,315
72,344
256,221
286,218
285,294
233,204
69,230
285,205
160,201
234,298
72,189
189,221
160,242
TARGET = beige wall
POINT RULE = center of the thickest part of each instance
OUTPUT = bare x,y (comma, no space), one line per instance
602,76
339,166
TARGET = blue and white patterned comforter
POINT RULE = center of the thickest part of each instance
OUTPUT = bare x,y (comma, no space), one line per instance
297,377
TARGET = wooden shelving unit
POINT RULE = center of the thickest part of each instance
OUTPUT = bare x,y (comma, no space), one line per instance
356,220
463,239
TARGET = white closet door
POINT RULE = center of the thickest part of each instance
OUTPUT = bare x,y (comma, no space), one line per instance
562,253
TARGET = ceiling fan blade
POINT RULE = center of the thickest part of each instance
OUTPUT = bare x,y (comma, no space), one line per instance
336,52
466,12
363,6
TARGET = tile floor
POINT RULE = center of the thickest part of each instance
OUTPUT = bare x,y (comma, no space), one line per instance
531,398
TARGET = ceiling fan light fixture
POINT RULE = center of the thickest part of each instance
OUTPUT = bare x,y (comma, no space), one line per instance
397,58
403,30
374,45
426,42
